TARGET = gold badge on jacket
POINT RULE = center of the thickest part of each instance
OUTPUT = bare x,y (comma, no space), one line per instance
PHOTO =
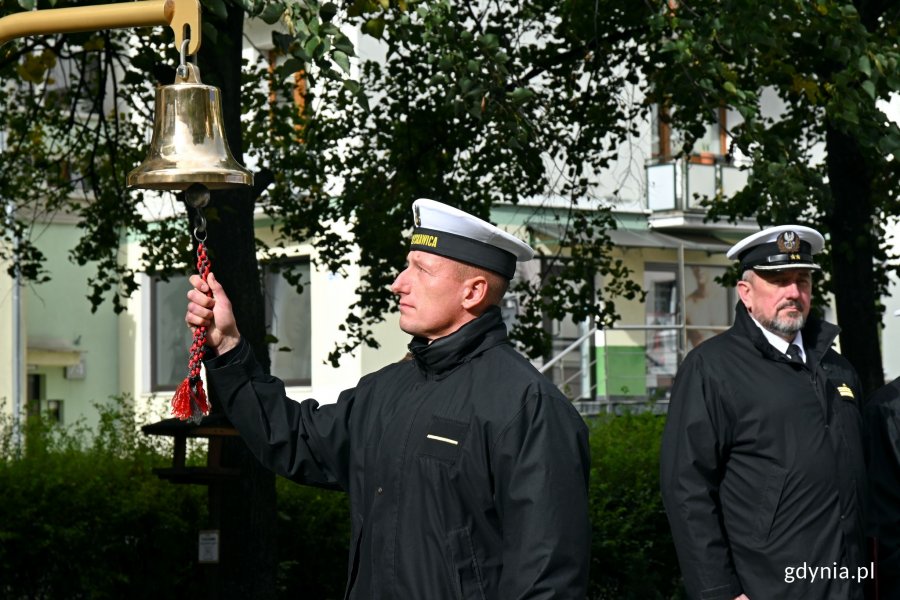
845,391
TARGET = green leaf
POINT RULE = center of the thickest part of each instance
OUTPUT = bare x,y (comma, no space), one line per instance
328,10
282,41
520,95
363,100
217,7
310,46
374,27
344,45
864,66
210,33
489,41
292,65
342,60
272,13
869,88
28,4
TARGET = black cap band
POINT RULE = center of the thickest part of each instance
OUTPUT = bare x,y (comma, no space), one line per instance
769,255
464,249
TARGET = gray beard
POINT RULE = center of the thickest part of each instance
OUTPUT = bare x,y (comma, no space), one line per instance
783,326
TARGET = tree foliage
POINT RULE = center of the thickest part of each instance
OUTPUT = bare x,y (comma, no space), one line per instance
829,157
469,107
477,104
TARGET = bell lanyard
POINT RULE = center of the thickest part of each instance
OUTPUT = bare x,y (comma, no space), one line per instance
189,402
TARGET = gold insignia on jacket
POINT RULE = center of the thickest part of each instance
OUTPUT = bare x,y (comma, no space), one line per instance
845,391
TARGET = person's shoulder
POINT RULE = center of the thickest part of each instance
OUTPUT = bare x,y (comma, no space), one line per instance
522,379
509,364
888,394
718,348
837,365
406,367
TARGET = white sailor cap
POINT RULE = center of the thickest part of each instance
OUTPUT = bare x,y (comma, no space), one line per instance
449,232
779,248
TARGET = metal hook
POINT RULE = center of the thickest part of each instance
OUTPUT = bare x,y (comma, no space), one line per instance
200,226
182,59
183,51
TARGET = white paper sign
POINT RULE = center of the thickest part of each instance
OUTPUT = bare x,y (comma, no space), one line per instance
209,546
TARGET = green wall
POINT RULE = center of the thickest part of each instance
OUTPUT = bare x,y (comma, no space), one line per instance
621,371
58,312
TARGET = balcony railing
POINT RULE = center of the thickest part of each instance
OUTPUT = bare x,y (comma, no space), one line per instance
599,376
680,184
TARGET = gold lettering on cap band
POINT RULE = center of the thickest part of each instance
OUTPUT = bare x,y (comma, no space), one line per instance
438,438
421,239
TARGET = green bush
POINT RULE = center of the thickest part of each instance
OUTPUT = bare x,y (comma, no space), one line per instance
83,516
632,555
313,541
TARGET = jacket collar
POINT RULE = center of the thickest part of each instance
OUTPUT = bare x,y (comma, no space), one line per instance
818,335
445,354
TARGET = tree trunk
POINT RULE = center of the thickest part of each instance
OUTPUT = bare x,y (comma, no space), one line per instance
852,255
246,507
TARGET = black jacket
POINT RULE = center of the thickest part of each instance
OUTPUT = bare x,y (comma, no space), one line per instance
882,422
467,470
762,468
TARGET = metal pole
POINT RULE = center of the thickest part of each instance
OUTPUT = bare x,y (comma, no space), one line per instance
585,361
17,350
682,299
546,366
177,14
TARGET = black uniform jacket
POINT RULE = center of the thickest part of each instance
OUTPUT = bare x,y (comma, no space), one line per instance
762,468
882,423
467,469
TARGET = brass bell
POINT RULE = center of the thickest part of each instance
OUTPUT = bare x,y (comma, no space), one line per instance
188,144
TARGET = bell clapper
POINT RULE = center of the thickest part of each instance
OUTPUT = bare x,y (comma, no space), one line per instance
197,195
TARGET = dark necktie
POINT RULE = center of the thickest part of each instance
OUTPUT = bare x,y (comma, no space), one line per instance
793,353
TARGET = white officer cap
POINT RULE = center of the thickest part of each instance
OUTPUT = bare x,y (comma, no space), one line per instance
779,248
446,231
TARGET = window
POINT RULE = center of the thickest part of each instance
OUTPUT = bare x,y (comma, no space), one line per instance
707,304
708,310
288,321
55,411
661,284
170,337
36,384
708,148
